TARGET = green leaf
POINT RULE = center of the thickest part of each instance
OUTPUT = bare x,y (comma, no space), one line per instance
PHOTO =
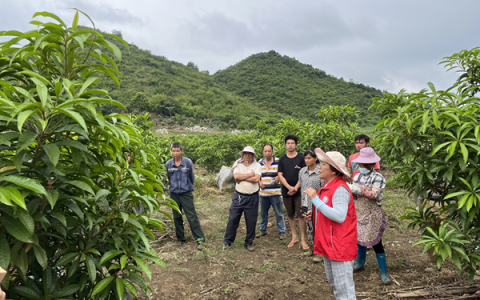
26,292
16,197
438,148
41,256
22,261
53,152
131,288
92,270
25,140
102,285
49,15
16,229
75,21
66,259
67,291
120,287
5,196
59,216
73,144
464,152
27,183
144,266
123,261
109,255
26,219
81,185
22,117
5,250
75,116
124,217
135,223
52,197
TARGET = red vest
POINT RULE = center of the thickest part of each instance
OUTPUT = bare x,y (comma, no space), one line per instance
334,240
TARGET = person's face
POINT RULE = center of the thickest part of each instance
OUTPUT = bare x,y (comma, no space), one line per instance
177,152
309,160
360,144
290,145
324,171
267,152
248,156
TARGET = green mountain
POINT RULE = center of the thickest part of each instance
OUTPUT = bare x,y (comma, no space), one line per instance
291,88
264,86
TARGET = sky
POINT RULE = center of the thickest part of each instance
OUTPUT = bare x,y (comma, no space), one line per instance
389,45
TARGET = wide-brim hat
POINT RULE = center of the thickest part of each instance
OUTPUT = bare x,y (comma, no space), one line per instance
336,160
247,149
367,156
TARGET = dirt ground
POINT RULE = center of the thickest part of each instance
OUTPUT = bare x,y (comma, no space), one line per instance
274,271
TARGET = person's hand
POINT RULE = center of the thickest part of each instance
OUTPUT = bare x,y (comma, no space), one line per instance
252,174
311,193
308,216
2,294
295,190
262,186
277,180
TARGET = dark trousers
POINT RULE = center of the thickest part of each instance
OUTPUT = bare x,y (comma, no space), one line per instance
185,202
248,205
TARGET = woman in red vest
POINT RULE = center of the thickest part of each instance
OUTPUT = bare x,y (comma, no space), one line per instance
335,223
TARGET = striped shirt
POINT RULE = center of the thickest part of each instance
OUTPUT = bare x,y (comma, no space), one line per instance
374,182
269,174
309,180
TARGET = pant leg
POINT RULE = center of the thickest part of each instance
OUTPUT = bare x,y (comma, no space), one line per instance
329,273
236,210
379,248
264,208
343,277
178,219
191,214
251,215
277,206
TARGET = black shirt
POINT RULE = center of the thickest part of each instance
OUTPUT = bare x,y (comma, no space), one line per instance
290,168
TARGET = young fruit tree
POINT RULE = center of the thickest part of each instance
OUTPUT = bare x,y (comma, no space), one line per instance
73,182
432,138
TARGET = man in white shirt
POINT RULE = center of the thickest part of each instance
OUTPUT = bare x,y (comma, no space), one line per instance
246,172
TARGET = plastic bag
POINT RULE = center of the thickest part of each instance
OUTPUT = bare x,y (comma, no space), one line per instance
224,178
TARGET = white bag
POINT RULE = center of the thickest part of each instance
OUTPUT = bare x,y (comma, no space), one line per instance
224,178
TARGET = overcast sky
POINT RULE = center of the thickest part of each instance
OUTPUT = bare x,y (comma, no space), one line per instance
385,44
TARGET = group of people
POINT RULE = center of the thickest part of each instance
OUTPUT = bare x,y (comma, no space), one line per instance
341,213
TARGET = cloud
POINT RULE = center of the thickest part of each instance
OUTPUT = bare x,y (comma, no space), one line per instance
384,44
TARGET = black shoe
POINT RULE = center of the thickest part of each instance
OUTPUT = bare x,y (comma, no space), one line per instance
249,248
180,243
226,246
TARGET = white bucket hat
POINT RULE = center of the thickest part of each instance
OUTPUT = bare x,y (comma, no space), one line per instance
336,160
248,149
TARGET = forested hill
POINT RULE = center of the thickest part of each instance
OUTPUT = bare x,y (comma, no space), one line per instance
294,89
264,86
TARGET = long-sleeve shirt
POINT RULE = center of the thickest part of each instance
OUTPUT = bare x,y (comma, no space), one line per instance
181,177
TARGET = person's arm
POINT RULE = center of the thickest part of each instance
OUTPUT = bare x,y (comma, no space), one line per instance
283,180
242,177
340,200
377,188
192,172
254,179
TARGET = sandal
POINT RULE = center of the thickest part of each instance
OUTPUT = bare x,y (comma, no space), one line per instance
305,248
293,243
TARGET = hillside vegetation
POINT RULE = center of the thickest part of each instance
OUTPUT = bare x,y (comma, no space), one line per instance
265,86
294,89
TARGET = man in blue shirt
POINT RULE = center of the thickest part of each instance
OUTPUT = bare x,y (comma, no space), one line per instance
181,176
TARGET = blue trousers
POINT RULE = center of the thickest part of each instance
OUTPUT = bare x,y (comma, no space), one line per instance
248,205
276,203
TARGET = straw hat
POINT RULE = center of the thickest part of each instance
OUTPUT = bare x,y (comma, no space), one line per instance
336,160
248,149
367,156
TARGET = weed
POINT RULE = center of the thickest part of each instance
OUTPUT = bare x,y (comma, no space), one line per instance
181,260
238,275
396,263
228,290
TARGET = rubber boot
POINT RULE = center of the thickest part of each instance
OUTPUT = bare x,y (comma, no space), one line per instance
382,264
362,255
